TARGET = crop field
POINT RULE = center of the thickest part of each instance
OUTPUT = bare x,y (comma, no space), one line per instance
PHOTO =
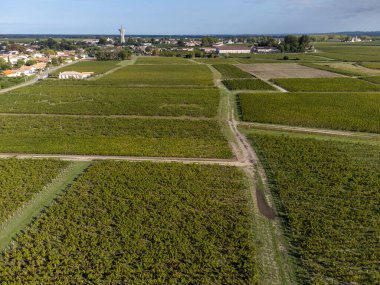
329,67
247,84
326,85
102,100
351,53
373,79
141,223
159,75
329,199
347,68
268,71
162,60
21,179
217,60
373,65
343,111
97,67
279,57
229,71
112,136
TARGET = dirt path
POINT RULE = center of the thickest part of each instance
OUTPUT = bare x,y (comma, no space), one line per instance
83,158
273,261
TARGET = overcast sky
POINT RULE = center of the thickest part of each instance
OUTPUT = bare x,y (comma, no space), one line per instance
188,17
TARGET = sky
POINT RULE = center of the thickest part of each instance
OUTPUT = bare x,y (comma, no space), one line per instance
199,17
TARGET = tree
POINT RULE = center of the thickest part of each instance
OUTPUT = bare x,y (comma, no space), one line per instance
102,41
181,43
30,62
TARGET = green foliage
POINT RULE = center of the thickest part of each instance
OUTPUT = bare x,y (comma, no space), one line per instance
159,75
141,223
373,65
344,111
247,84
373,79
331,69
229,71
329,197
326,85
21,179
103,100
162,60
353,53
97,67
6,82
112,136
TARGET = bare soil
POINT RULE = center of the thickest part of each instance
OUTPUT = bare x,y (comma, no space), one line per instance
266,71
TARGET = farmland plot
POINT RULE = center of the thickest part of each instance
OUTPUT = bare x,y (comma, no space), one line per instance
329,195
326,85
112,136
343,111
159,75
268,71
141,223
21,180
247,84
162,60
102,100
229,71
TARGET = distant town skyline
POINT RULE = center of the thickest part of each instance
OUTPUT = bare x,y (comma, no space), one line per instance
184,17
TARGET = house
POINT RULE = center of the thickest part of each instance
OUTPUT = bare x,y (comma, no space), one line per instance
75,75
264,50
27,70
229,49
11,73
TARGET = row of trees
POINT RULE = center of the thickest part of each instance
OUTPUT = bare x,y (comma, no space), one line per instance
113,54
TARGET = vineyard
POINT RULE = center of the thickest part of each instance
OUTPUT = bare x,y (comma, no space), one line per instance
326,85
21,180
373,79
229,71
353,53
112,136
162,60
329,197
141,223
159,75
373,65
97,67
343,111
247,84
103,100
327,67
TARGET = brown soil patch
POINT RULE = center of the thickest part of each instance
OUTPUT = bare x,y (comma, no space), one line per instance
268,71
264,208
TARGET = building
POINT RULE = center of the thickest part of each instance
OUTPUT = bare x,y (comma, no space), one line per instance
122,35
74,75
264,50
229,49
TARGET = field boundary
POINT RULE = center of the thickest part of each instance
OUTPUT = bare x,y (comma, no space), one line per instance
26,214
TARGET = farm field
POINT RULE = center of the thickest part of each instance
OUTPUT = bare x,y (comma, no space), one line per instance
112,136
279,57
108,100
162,60
247,84
373,79
341,111
373,65
141,223
98,67
335,69
268,71
349,52
326,85
159,75
328,197
229,71
350,69
217,60
21,180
